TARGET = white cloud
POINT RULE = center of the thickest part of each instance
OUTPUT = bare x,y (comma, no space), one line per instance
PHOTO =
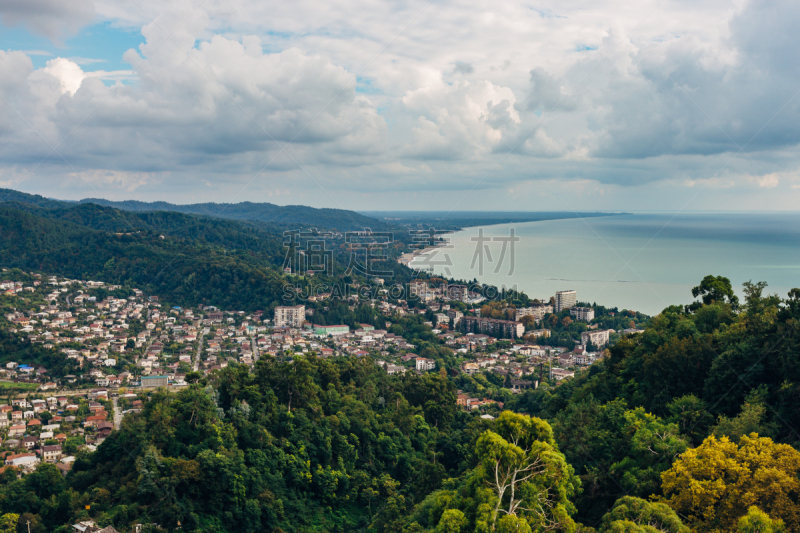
69,74
54,19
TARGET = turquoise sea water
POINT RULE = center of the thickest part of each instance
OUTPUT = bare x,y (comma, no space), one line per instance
642,261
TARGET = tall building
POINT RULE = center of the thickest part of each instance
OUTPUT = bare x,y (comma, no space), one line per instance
565,300
582,314
291,316
458,292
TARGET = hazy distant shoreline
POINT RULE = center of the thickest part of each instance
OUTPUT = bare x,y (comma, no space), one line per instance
458,220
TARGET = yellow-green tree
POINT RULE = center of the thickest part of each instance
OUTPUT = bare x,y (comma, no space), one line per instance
757,521
713,484
8,523
635,515
527,477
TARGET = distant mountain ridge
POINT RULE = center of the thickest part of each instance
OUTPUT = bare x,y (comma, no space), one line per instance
333,219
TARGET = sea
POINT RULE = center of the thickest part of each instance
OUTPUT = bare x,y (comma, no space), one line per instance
642,261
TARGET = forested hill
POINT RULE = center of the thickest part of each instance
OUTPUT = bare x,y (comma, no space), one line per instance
295,216
332,219
698,382
209,262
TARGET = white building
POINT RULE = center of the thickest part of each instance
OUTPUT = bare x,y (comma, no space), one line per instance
290,316
582,314
597,337
424,364
565,300
537,312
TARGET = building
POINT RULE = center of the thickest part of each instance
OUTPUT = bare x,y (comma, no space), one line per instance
51,454
632,331
537,311
540,333
458,292
24,461
455,315
324,331
424,364
565,300
417,288
494,327
155,381
596,337
559,373
291,316
582,314
441,318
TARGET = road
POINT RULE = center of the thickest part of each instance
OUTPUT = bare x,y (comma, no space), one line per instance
196,362
254,346
117,413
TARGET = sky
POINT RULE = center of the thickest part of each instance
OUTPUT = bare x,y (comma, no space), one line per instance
405,105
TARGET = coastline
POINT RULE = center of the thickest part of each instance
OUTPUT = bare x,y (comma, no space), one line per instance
408,257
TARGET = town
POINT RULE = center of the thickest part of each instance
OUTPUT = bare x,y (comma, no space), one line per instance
90,351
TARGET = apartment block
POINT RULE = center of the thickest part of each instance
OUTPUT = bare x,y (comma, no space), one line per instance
537,311
565,300
597,337
494,327
290,316
582,314
458,292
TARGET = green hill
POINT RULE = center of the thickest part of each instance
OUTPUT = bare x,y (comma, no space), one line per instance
184,270
291,216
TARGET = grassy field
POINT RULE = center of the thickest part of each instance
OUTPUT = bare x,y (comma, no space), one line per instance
11,386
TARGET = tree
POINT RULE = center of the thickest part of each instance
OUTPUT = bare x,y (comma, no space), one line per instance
757,521
713,484
528,476
716,289
631,514
452,521
692,416
8,523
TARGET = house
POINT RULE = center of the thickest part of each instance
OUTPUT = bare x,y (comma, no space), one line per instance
559,374
24,461
17,430
470,368
51,454
522,384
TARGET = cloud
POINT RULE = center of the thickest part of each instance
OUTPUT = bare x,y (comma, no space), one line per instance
686,98
463,68
69,74
545,94
462,120
203,105
481,96
53,19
